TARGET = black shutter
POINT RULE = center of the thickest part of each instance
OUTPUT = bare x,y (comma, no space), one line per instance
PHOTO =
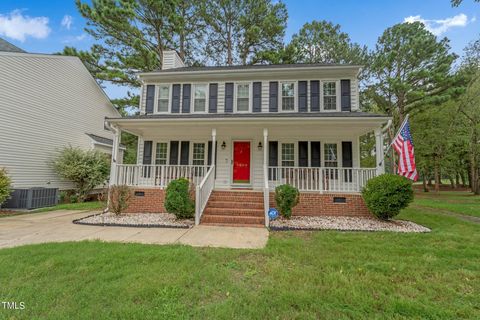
257,97
150,100
187,88
228,97
314,95
303,153
272,159
209,158
347,161
302,97
184,151
212,100
315,159
176,98
273,97
173,152
147,158
345,95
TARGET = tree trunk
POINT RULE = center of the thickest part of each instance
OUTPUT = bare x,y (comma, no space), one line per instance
474,180
463,178
452,182
436,173
457,180
424,181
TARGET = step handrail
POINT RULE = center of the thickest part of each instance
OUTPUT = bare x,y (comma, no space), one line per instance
203,192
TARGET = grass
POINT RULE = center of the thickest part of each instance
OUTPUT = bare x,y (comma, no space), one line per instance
91,205
299,275
453,201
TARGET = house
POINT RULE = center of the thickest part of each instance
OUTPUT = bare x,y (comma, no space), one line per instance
237,132
47,102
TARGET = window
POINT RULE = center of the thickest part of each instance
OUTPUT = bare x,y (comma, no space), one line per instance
243,96
330,95
198,154
163,98
161,153
288,96
330,155
200,98
288,155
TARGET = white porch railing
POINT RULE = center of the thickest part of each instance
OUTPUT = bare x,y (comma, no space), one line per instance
321,179
157,175
203,192
266,197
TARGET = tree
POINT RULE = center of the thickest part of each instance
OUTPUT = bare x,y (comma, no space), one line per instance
87,169
410,68
240,29
456,3
324,42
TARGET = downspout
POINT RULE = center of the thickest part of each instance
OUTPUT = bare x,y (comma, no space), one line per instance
115,132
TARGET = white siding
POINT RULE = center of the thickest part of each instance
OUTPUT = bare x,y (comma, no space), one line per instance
46,103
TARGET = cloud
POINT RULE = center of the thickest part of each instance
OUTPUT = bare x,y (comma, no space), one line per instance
67,21
72,39
440,26
17,26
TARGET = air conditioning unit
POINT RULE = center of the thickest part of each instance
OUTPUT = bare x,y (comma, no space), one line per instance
32,198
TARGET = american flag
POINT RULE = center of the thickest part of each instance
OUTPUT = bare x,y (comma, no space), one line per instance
403,144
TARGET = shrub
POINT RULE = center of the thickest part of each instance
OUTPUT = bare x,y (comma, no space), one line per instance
286,197
387,194
5,185
120,197
87,169
177,199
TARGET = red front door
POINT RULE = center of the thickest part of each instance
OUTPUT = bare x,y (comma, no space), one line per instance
241,162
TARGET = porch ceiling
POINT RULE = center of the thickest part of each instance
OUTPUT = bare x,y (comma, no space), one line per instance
276,126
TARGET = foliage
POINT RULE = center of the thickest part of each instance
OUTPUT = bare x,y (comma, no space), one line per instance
456,3
387,194
120,197
410,68
131,143
87,169
286,197
5,185
177,199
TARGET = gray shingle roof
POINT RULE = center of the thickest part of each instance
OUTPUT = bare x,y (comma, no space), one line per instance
7,46
256,66
102,140
257,115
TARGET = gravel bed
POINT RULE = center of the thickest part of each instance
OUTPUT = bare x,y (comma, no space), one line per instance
346,224
166,220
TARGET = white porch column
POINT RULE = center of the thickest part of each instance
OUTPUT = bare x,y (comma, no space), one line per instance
380,160
266,191
115,155
214,139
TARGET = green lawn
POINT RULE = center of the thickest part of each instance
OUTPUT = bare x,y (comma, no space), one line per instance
92,205
456,202
299,275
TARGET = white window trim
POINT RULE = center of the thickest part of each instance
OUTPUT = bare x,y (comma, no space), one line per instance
339,153
205,156
295,152
155,152
295,96
250,96
337,91
157,96
192,96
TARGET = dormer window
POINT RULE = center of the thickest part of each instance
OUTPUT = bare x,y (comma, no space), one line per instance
243,97
163,97
329,95
288,96
200,98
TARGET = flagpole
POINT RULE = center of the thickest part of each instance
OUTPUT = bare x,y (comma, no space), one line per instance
395,138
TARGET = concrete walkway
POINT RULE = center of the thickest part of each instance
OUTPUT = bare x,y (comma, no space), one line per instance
57,226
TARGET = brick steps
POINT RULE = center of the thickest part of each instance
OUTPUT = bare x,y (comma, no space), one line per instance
235,209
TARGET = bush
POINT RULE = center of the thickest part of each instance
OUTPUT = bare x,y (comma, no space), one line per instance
5,185
387,194
120,197
177,199
286,197
87,169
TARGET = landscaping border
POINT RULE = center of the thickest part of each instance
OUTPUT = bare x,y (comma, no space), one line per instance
80,222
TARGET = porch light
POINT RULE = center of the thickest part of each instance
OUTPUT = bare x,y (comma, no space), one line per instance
224,145
260,146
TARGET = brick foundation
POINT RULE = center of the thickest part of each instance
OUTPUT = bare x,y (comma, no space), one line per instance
150,202
316,204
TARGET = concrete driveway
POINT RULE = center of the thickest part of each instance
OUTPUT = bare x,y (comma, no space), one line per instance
57,226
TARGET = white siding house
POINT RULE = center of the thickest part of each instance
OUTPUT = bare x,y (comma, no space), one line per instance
47,102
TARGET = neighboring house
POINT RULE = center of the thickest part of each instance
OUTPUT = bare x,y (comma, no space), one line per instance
47,102
243,130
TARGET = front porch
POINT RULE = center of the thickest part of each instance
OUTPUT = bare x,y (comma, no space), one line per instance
316,156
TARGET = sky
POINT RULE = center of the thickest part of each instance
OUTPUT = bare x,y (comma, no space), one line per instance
48,26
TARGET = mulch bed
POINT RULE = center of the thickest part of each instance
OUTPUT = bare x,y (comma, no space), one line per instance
136,220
